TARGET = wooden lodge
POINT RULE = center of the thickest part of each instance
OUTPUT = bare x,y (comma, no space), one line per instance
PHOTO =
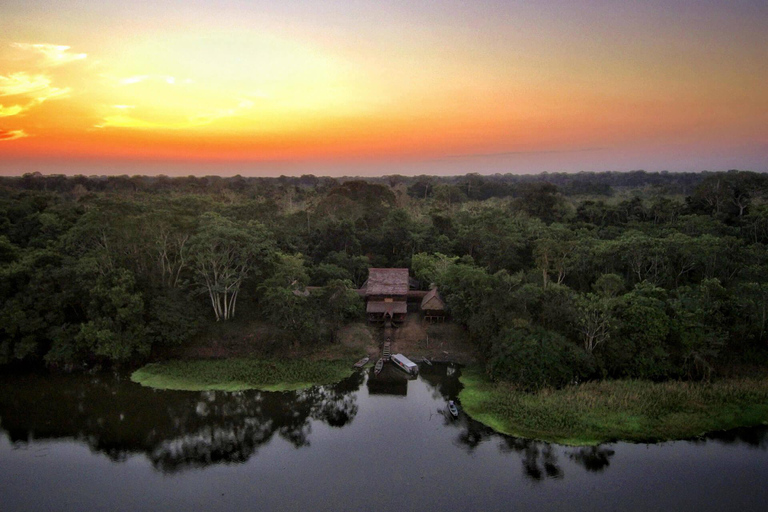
433,306
389,295
386,294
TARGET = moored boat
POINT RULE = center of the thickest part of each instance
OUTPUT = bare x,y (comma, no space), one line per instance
378,367
453,409
426,361
362,362
405,364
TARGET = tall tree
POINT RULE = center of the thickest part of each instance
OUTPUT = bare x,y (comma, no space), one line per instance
224,254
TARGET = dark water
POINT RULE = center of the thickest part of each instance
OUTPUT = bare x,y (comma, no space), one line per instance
104,443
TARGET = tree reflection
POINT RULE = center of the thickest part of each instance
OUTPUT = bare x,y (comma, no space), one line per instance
538,458
175,430
592,458
756,437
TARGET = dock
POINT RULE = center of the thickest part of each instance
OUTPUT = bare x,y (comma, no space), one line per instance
386,351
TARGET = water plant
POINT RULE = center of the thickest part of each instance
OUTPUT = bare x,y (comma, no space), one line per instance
629,410
240,374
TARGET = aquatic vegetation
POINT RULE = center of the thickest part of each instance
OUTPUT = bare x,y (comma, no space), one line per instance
240,374
628,410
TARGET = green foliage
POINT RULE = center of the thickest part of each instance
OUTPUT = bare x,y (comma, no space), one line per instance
225,253
630,410
537,358
241,374
114,328
173,317
639,340
340,304
642,280
431,268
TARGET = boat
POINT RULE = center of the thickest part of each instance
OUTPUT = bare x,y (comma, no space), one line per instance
362,362
405,364
378,367
453,409
426,361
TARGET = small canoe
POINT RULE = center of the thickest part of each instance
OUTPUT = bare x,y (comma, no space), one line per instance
453,409
426,361
362,362
379,366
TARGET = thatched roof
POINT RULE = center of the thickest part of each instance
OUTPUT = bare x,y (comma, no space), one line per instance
432,301
377,306
387,281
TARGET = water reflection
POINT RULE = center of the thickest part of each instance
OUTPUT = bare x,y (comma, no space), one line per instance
755,437
182,430
176,430
592,458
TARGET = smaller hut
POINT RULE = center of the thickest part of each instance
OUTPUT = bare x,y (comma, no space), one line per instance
433,306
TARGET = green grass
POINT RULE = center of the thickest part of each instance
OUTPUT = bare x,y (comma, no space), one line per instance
627,410
241,374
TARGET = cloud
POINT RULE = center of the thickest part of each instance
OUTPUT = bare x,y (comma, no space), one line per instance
133,79
126,121
6,135
137,79
211,116
11,111
37,88
53,54
193,121
23,83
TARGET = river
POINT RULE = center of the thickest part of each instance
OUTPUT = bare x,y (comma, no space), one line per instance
102,442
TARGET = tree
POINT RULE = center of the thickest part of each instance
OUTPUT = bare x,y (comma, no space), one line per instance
552,252
339,304
639,345
223,255
594,321
698,326
430,268
286,303
541,200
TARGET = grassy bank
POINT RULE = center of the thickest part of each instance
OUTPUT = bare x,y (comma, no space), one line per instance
240,374
628,410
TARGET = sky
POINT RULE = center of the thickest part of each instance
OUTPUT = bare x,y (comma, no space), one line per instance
327,87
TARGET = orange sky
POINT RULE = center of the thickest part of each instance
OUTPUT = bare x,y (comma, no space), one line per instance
382,87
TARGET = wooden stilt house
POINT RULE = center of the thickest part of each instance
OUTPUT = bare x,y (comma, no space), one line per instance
386,294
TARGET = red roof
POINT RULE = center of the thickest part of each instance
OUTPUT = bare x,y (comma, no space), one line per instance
387,281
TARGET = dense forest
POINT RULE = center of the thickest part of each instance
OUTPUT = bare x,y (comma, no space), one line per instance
556,277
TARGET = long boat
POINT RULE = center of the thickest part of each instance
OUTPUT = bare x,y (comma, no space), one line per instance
379,366
426,361
405,364
362,362
453,409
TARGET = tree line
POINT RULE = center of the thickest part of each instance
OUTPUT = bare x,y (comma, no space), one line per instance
556,277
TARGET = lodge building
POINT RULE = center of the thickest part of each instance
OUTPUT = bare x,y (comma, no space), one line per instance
388,292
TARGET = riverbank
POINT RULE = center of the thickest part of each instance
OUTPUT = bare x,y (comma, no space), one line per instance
240,374
624,410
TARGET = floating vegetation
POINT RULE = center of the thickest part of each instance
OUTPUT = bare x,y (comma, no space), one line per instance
240,374
626,410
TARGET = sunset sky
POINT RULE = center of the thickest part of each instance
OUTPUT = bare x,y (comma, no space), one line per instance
382,87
